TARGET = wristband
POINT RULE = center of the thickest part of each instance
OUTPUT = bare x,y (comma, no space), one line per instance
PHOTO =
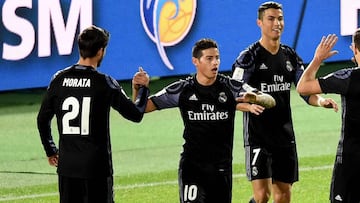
319,101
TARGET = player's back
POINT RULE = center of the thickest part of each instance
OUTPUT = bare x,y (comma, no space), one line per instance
81,98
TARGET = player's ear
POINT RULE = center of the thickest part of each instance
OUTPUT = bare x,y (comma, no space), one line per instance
100,51
195,61
356,49
258,22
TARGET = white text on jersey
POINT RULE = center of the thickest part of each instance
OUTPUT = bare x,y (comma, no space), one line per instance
264,87
207,113
76,82
207,116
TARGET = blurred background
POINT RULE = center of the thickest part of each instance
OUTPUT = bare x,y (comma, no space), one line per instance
38,38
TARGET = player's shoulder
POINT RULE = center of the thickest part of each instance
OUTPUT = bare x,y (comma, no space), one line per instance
288,50
179,85
111,82
233,84
355,69
345,72
61,73
290,53
247,57
103,78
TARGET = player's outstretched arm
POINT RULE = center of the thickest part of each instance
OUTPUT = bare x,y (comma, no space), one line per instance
255,102
308,84
258,98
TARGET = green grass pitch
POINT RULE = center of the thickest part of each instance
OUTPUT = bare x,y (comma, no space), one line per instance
146,154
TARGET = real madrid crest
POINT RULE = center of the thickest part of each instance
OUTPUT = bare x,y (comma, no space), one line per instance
289,66
222,97
254,171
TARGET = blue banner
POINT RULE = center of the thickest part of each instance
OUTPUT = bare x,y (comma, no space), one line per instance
38,38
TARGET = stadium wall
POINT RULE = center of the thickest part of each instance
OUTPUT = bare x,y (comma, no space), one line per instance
37,37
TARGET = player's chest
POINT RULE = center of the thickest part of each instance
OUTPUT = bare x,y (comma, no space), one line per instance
274,69
212,100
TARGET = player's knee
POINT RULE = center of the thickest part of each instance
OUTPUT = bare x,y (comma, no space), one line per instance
282,197
262,196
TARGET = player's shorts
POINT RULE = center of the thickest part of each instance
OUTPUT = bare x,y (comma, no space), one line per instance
79,190
280,164
204,184
345,181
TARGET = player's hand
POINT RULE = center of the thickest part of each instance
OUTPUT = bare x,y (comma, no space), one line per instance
329,103
53,160
256,109
141,78
324,49
252,108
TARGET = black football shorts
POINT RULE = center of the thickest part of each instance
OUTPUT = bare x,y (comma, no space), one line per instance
346,178
204,184
280,164
79,190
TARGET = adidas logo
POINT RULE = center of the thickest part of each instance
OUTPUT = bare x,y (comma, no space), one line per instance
338,198
263,67
193,98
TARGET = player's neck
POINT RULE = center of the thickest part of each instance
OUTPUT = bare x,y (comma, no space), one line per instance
88,62
271,45
204,81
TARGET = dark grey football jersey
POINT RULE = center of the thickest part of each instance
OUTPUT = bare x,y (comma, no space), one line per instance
81,98
346,82
274,75
208,114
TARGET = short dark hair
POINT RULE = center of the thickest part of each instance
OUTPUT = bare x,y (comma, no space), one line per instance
91,40
268,5
356,39
203,44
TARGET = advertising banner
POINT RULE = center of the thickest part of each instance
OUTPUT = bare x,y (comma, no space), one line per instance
38,37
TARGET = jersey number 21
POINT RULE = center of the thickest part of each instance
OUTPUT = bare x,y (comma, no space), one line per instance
74,104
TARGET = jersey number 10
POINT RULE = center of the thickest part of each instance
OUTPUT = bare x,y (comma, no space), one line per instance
72,102
190,192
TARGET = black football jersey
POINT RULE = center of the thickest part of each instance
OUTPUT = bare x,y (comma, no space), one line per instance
274,75
346,82
81,98
208,115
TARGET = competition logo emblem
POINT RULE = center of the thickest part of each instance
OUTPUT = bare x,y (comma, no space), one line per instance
167,22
